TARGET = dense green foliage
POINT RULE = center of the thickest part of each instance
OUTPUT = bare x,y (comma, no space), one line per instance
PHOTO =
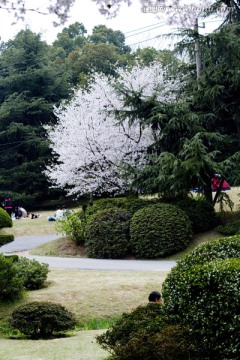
130,325
145,333
229,229
170,343
203,291
5,219
73,226
199,318
11,286
129,203
159,230
107,234
42,319
5,239
32,273
206,297
200,212
31,84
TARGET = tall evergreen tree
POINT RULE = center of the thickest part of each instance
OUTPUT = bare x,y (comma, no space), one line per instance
30,84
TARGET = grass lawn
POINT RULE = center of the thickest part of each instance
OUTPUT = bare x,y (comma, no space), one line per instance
28,226
93,296
80,346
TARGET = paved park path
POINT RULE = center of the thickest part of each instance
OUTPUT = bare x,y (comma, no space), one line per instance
25,243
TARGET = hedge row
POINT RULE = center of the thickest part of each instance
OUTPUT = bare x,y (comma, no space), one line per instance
147,229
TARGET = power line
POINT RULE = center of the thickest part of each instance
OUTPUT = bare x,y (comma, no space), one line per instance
140,28
146,30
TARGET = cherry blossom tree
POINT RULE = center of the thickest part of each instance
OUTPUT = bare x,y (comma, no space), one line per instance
173,11
92,146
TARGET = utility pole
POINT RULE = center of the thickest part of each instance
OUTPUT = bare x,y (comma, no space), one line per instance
197,50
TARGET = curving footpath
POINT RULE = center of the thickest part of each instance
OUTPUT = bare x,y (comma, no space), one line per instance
26,243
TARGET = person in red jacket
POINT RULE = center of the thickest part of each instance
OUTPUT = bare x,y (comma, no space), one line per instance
8,205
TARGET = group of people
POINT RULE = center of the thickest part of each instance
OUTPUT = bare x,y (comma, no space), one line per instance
61,213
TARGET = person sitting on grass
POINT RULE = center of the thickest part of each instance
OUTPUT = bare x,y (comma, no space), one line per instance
155,296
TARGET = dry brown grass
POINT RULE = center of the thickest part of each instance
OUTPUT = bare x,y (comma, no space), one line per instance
62,247
98,294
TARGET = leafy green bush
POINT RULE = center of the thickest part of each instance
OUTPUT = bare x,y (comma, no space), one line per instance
32,273
200,212
229,229
130,325
5,219
107,234
222,249
5,239
11,286
42,319
206,298
73,226
171,343
159,230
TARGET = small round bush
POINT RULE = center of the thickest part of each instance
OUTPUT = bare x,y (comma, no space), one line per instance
107,234
11,285
200,212
206,298
5,219
42,319
159,230
32,273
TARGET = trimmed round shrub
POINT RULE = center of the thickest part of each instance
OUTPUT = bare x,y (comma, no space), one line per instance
32,273
5,239
206,298
11,286
5,219
42,319
107,234
200,212
221,249
130,325
159,230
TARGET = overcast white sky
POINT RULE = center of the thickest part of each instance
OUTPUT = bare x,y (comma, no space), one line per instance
86,12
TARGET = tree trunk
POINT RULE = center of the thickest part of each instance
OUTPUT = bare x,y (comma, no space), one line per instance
208,192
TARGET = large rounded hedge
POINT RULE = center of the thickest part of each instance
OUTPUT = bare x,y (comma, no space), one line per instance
107,234
159,230
200,212
5,219
206,298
